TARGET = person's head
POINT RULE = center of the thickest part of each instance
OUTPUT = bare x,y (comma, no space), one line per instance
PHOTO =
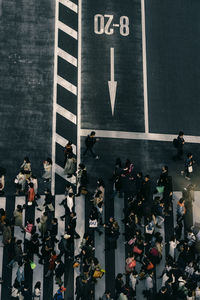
181,200
146,178
19,242
111,219
47,191
71,194
26,159
70,155
53,253
189,155
38,285
119,276
49,160
181,133
165,169
163,290
81,166
54,221
19,208
34,177
92,133
100,182
107,292
69,143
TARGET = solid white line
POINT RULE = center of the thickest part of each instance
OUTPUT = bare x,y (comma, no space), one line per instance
2,205
65,113
63,142
66,56
68,30
18,234
112,66
67,85
38,272
139,136
54,98
79,205
196,207
70,5
146,113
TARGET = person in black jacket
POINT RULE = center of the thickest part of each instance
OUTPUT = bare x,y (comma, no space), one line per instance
59,271
89,143
179,146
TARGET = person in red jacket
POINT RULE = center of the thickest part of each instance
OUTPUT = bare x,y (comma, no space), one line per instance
52,263
31,193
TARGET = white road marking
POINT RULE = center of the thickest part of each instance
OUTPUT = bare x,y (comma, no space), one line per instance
19,200
63,142
53,154
196,207
2,205
139,136
38,272
66,113
67,85
60,171
70,5
80,202
68,30
59,211
144,56
112,84
66,56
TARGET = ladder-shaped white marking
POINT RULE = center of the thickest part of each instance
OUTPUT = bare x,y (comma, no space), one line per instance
70,5
66,113
67,85
66,56
60,171
68,30
63,142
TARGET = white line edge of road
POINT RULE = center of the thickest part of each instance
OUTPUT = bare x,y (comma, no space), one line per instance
54,99
80,205
140,136
144,59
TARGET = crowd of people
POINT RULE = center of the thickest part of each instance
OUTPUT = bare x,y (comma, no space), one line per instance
147,207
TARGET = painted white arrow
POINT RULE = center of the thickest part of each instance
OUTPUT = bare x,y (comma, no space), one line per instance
112,84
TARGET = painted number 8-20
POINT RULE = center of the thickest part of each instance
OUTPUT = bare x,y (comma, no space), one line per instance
103,24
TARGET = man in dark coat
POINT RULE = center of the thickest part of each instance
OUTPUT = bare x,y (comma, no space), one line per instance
59,271
89,143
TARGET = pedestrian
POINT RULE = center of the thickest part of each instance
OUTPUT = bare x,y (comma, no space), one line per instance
82,179
59,295
70,166
31,193
89,143
67,150
188,166
18,254
34,180
37,291
106,295
54,230
20,272
26,167
59,271
42,226
179,143
47,164
68,206
20,182
119,285
7,233
18,216
52,263
180,210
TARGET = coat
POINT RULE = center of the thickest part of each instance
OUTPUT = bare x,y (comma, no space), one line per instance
7,234
70,166
42,226
18,218
31,195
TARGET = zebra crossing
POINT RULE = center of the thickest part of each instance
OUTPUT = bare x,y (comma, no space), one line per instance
118,259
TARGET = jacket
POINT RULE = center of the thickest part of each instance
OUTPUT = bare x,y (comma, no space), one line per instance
60,269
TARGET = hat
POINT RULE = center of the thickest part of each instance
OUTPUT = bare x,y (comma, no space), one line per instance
62,289
66,236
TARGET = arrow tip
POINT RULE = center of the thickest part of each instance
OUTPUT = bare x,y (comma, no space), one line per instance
112,85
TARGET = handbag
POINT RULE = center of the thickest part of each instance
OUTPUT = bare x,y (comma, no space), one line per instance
137,250
28,236
76,264
132,264
190,169
97,274
33,265
160,189
150,266
93,223
16,181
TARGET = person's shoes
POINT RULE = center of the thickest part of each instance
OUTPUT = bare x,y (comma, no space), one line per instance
77,195
188,178
60,204
182,173
39,209
61,218
69,176
97,157
77,237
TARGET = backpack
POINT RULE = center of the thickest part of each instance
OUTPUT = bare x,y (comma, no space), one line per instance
175,143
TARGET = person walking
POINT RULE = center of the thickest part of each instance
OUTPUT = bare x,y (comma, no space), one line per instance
89,143
178,144
17,214
59,271
70,166
47,164
52,263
